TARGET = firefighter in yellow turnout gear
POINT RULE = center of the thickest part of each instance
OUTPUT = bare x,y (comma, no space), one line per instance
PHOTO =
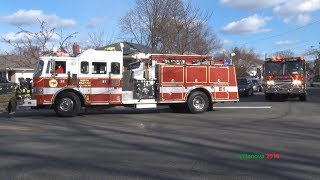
22,91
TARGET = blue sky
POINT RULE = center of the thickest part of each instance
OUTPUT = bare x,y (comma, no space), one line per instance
266,26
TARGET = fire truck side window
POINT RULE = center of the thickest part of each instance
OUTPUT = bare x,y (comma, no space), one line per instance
115,68
99,68
60,67
84,67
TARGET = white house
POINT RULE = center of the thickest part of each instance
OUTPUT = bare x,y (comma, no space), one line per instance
13,74
13,68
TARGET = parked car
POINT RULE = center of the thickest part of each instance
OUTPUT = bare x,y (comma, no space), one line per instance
315,81
245,86
257,86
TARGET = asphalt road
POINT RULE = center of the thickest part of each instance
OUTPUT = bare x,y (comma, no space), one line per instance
159,144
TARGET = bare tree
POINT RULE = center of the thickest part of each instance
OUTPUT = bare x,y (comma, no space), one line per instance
315,52
144,23
170,26
99,38
30,45
243,59
64,42
284,54
187,32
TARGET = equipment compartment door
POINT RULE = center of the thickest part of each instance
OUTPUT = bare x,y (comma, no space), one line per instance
172,83
172,93
219,79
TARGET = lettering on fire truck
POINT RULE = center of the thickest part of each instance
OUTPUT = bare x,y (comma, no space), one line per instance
106,78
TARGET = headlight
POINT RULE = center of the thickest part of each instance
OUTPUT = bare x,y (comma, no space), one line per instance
296,82
270,82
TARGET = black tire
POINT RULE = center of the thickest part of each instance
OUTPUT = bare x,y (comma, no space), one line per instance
198,102
303,97
251,92
268,97
67,105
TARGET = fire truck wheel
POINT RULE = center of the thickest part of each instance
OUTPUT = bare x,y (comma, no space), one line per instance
198,102
268,97
68,105
303,97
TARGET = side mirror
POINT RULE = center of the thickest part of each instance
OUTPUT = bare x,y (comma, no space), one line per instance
52,72
52,64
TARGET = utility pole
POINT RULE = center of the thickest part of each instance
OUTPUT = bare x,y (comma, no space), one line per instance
265,56
232,55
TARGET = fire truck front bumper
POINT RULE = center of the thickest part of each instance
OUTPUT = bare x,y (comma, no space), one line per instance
285,90
27,103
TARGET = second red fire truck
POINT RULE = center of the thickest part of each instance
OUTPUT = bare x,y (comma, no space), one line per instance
103,78
285,77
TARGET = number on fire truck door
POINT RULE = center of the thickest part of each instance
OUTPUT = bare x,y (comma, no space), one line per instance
222,89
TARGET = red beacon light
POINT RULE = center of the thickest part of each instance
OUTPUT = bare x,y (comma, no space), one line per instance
269,78
295,77
276,58
62,54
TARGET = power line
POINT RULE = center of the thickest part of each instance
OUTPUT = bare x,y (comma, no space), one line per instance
298,45
284,33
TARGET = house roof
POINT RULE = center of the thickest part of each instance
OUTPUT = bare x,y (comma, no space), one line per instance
16,62
130,48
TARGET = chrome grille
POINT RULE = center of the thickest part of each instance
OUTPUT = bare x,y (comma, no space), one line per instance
283,80
283,85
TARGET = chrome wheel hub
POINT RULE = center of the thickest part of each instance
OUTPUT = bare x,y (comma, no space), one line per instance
198,103
66,104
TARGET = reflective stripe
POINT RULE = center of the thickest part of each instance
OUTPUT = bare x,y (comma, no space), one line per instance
50,90
93,90
103,90
209,88
181,89
173,90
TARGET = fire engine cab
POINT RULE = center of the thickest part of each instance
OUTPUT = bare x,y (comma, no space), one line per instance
285,77
101,78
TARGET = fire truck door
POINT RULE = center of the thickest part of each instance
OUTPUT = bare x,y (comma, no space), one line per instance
85,80
99,83
114,83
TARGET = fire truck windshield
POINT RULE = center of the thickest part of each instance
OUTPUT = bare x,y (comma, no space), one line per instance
134,65
280,68
274,68
39,68
294,67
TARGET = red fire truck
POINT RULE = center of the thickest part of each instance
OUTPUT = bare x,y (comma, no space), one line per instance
103,78
285,77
